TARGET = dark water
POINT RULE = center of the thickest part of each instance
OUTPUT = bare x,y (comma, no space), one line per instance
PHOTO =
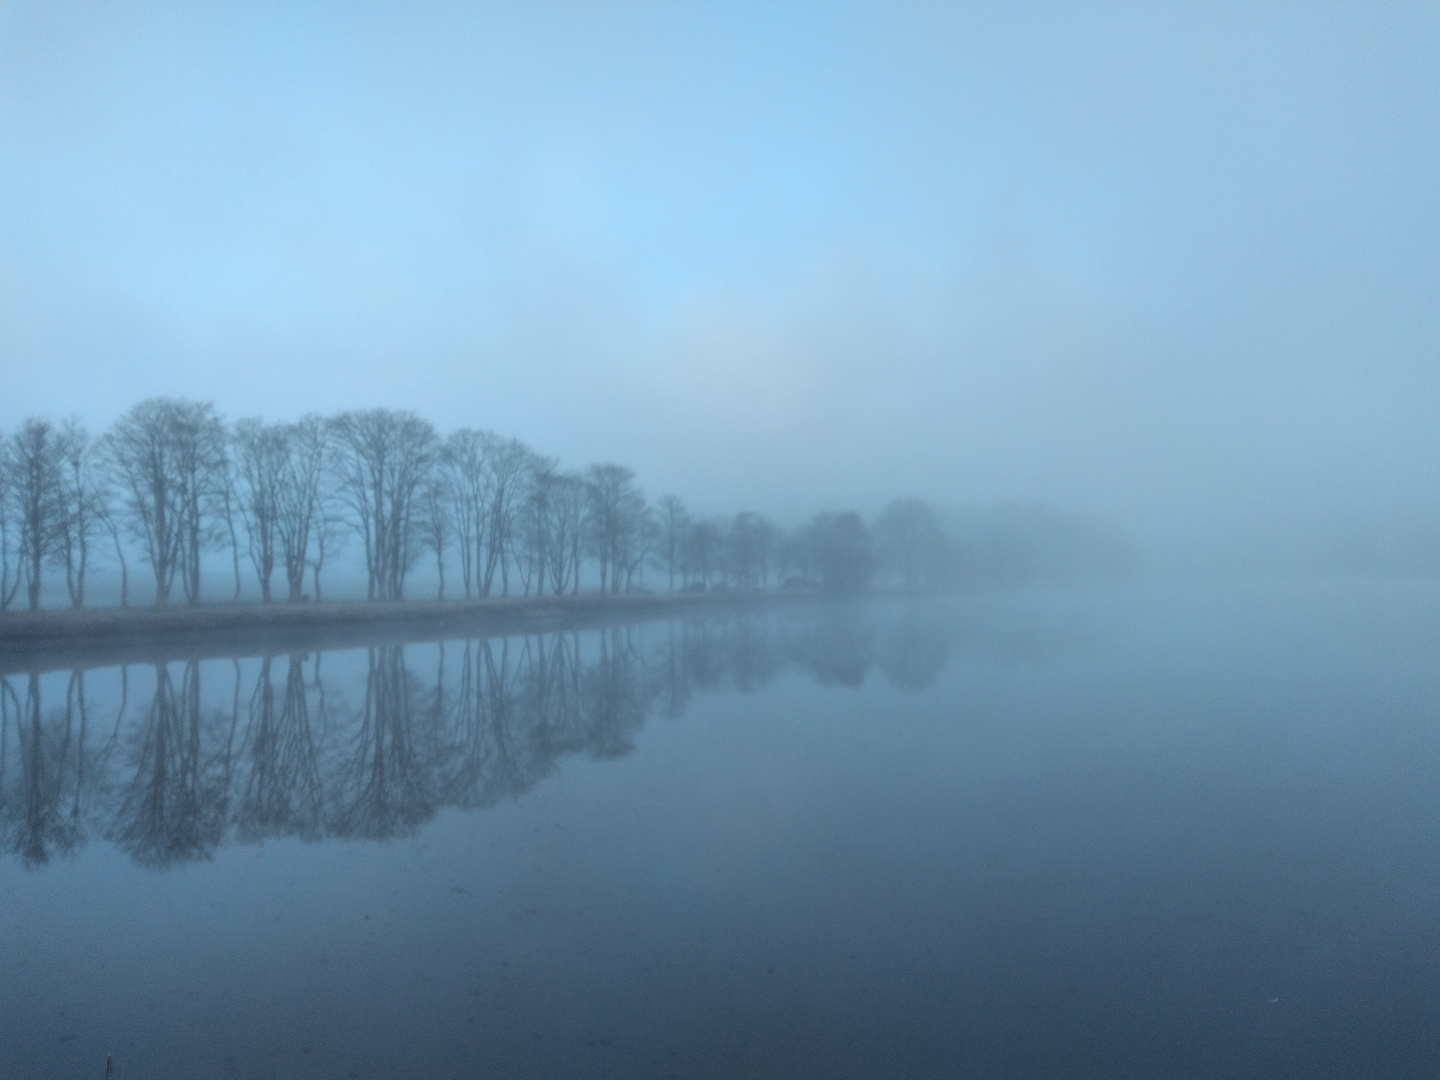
1158,832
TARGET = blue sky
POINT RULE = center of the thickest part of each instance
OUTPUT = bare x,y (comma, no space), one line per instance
1175,264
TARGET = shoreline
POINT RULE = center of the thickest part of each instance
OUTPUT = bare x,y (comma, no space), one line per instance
61,638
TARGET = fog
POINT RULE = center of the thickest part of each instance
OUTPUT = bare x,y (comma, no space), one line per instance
1170,267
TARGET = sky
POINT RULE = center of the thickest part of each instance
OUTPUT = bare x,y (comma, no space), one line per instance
1174,265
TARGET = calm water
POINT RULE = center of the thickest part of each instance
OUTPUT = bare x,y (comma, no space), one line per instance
1156,832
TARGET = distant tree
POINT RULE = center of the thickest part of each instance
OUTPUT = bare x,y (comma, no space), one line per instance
910,543
111,522
752,544
506,468
301,505
83,498
436,519
167,456
466,459
383,461
11,573
617,524
569,506
262,454
673,521
38,487
838,552
702,551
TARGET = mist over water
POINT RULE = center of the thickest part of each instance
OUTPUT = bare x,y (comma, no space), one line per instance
1026,413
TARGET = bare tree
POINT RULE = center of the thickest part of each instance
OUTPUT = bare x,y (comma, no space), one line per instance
10,571
751,542
673,522
83,506
110,520
436,517
617,523
508,465
330,532
383,461
261,455
466,459
301,504
910,542
167,456
37,486
569,504
702,552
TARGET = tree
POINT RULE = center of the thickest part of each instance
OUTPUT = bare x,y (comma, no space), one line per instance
167,455
617,523
261,452
673,522
384,459
837,548
752,544
37,486
300,504
435,521
702,551
466,458
10,570
83,500
507,464
910,543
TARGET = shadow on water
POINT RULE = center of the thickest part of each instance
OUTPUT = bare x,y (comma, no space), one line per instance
372,743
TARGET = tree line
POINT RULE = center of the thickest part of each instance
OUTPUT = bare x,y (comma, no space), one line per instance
171,480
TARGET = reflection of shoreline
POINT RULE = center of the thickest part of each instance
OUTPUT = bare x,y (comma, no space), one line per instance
294,751
60,640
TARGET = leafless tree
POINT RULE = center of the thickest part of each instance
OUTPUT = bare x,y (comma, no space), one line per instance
330,532
466,459
702,553
10,571
261,453
506,464
384,457
37,485
301,506
910,542
436,519
617,524
83,506
111,522
167,455
569,505
229,498
673,521
752,542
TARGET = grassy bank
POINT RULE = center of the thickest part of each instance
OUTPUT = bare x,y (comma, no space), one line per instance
48,640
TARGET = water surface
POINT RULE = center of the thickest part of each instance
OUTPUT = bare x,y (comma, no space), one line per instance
1164,831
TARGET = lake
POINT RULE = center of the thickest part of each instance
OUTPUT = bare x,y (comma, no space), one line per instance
1155,830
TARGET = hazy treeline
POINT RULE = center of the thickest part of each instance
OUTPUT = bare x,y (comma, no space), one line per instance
171,760
171,481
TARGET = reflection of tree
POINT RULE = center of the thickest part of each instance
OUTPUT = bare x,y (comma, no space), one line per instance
283,792
43,815
913,656
174,808
380,791
837,651
467,733
614,697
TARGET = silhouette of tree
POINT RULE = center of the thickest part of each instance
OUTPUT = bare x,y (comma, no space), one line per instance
384,459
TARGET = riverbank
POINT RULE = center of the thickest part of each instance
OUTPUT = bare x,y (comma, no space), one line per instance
48,640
